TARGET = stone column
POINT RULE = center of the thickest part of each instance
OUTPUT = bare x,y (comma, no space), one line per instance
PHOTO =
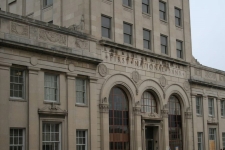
71,96
4,104
143,134
33,118
93,113
104,114
137,127
165,131
189,132
205,124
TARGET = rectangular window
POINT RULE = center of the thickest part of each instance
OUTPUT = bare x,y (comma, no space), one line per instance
212,134
179,49
106,27
51,136
145,6
17,139
223,108
211,106
17,83
177,17
200,141
199,105
162,10
127,32
127,3
80,91
81,140
51,87
223,139
163,40
146,39
47,3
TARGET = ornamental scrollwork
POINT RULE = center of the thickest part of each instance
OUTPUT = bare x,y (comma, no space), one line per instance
52,37
20,29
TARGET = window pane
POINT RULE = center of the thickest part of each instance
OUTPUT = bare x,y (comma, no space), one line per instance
179,45
127,28
162,6
16,82
127,2
163,40
127,39
177,13
146,44
145,2
106,22
146,35
145,8
81,91
105,32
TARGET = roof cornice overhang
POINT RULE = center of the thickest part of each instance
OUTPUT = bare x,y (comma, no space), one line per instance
207,84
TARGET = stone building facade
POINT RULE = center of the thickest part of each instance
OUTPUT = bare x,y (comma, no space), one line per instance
105,75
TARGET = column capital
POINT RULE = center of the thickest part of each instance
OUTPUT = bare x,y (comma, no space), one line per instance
5,66
137,110
33,70
71,76
104,108
188,115
164,113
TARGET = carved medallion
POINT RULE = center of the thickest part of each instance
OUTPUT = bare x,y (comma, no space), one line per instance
20,29
102,69
34,61
80,43
186,86
135,76
162,81
71,67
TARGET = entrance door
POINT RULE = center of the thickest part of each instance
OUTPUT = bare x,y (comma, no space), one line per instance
151,138
212,139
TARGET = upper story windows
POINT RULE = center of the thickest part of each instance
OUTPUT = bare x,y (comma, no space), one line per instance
127,3
47,3
177,17
145,6
146,39
164,46
199,105
162,10
81,91
211,106
127,33
17,83
51,87
179,45
223,108
106,27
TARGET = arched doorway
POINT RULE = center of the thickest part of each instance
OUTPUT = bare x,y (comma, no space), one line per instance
118,120
175,124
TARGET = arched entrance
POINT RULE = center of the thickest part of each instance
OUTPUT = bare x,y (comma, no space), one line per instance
118,120
175,124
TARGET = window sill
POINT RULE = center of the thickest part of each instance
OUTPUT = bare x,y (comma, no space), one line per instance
147,50
129,7
167,55
146,15
163,21
180,58
223,117
51,102
17,99
47,6
199,115
128,44
179,27
107,39
81,105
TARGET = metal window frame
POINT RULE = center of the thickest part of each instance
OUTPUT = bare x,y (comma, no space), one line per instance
86,138
109,29
45,3
84,91
179,18
199,98
181,50
57,87
166,46
129,3
148,8
144,105
211,107
23,137
164,12
130,35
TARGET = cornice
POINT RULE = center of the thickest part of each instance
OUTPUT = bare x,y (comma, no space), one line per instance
209,84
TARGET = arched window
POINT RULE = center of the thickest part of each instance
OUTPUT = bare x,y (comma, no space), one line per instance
175,124
148,103
118,120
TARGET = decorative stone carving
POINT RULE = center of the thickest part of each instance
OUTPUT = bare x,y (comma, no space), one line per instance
162,81
104,108
34,61
52,37
188,115
80,43
135,76
212,120
153,115
210,75
20,29
137,110
33,32
102,69
79,27
222,78
52,109
164,113
186,85
71,67
198,72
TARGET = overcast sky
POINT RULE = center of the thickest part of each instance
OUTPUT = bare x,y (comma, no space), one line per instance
208,32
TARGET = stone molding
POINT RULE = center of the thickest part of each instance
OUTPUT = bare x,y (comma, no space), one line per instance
102,69
5,66
164,113
104,108
33,70
52,110
188,115
137,110
212,120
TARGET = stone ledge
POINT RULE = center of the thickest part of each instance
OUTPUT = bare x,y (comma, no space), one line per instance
204,83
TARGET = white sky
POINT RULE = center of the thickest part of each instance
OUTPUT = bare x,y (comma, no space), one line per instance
208,32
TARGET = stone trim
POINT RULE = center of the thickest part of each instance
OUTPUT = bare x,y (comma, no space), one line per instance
52,110
164,113
137,110
104,108
33,70
207,84
188,115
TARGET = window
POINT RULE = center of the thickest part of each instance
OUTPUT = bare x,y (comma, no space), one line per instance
177,17
200,141
51,87
47,3
223,139
80,91
163,40
17,139
106,27
162,10
211,106
81,140
223,108
51,136
127,32
17,83
145,6
146,39
179,49
118,120
148,103
199,105
127,2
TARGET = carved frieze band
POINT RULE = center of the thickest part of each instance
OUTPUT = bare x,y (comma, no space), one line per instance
104,108
52,37
19,29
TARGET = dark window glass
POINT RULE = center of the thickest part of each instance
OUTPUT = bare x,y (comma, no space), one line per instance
223,108
118,120
48,2
17,81
162,10
148,103
146,39
163,44
106,27
127,31
127,2
178,17
145,6
179,49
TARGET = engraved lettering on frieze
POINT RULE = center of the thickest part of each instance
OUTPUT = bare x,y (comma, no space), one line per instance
20,29
162,81
135,76
52,37
210,75
102,69
198,72
80,43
